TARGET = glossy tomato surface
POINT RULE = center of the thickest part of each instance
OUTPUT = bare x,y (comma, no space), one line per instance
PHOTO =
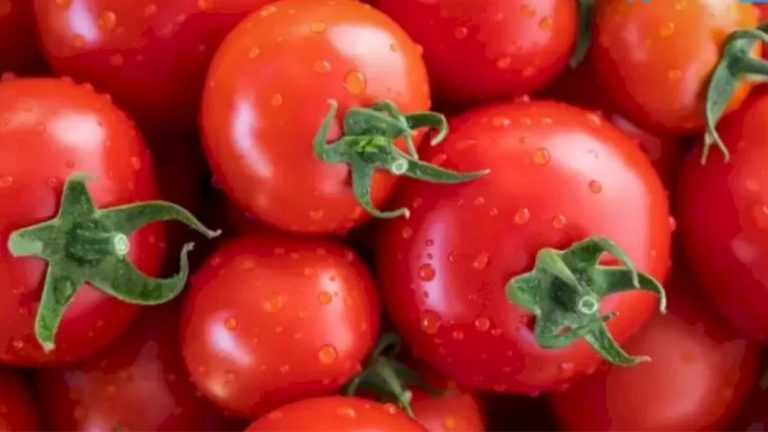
489,50
19,52
267,93
454,409
655,58
50,129
18,407
138,383
150,55
722,210
270,320
700,375
558,175
337,413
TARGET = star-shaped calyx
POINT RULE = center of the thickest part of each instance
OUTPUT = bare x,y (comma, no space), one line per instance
368,143
564,291
86,244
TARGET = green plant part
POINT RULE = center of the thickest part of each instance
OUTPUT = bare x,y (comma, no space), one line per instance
584,32
368,143
736,65
387,377
564,291
84,244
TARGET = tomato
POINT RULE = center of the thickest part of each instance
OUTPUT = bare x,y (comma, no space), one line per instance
271,319
701,373
19,52
150,56
500,49
722,210
655,58
258,124
18,408
558,174
452,410
337,413
139,382
51,128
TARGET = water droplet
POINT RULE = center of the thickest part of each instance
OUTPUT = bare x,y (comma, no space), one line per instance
672,224
426,272
595,118
504,62
449,423
498,17
107,20
275,415
78,41
527,10
327,354
482,324
760,213
595,186
566,369
230,323
285,368
541,156
321,66
18,344
324,297
499,121
6,181
274,303
204,4
522,216
248,264
276,100
70,163
752,185
63,3
254,52
346,411
674,74
481,261
545,23
317,27
406,233
308,271
680,4
430,322
316,214
390,408
267,11
429,242
458,335
667,29
558,222
460,32
393,47
496,332
150,10
355,82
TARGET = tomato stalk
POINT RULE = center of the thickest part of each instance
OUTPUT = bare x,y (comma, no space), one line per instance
736,64
564,290
368,143
84,244
584,32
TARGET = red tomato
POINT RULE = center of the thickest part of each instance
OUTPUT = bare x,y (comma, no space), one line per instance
139,383
655,58
259,122
18,409
500,49
722,209
52,128
19,52
270,320
150,55
558,175
453,410
336,413
700,374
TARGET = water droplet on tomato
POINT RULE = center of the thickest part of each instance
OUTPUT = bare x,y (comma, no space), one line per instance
595,186
595,118
527,10
355,82
317,27
481,261
254,52
267,11
389,407
457,335
276,100
328,354
150,10
545,23
566,369
558,222
499,121
230,323
504,62
324,297
18,344
70,163
321,66
430,322
426,272
347,412
460,32
522,216
285,368
204,4
406,233
274,303
672,224
482,324
541,156
667,29
308,271
63,3
107,20
674,74
78,41
6,181
760,213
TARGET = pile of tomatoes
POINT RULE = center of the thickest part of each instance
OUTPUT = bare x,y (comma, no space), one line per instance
408,215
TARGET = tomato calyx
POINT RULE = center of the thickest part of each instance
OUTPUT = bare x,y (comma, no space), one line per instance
736,64
584,32
368,143
86,244
564,290
386,377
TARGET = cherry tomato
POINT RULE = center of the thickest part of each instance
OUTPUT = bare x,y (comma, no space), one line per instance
499,49
19,52
151,56
18,408
722,210
259,122
700,374
558,174
655,58
336,413
452,410
52,128
270,320
139,382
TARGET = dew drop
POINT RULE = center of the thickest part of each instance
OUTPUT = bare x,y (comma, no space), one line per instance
545,23
430,322
274,303
527,10
760,213
78,41
317,27
460,32
317,214
406,233
230,323
481,261
6,181
672,224
667,29
522,216
321,66
566,369
504,62
499,121
254,52
107,20
449,423
541,156
595,186
18,344
63,3
267,11
276,100
324,297
752,185
595,118
426,272
285,368
674,74
204,4
150,10
327,354
482,324
355,82
558,222
496,332
347,412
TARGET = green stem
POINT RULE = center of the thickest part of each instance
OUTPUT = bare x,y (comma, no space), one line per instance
584,32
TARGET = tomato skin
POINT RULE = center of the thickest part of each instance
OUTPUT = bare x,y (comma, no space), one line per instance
139,382
74,130
712,367
337,413
305,308
453,410
150,56
19,52
658,72
18,408
505,47
558,174
258,124
721,209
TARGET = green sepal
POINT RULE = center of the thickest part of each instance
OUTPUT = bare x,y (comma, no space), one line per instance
584,32
84,244
564,291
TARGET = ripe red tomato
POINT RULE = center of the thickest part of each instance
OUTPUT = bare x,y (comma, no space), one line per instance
558,174
18,408
139,382
722,209
270,320
19,52
259,123
150,55
51,128
499,49
336,413
655,58
452,410
700,375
